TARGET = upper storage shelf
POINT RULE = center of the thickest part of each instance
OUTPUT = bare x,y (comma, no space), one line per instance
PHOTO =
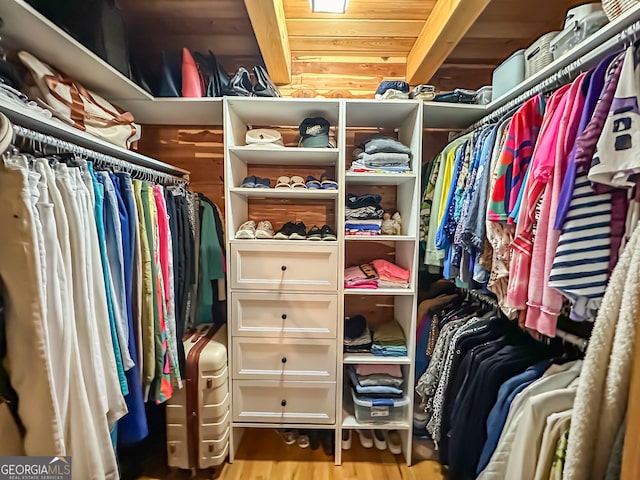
281,112
24,28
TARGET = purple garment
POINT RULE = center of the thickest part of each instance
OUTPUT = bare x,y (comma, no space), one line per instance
595,87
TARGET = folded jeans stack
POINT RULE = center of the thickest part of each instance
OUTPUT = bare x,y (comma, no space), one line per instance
357,336
391,275
363,214
386,384
381,154
389,340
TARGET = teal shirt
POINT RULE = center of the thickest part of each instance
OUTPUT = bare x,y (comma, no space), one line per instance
211,263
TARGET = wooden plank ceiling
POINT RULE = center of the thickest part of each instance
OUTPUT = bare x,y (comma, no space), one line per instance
346,55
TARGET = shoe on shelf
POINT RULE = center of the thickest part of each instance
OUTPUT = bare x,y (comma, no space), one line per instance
298,182
247,230
328,183
299,232
303,439
313,183
315,233
379,439
346,439
285,231
366,438
288,436
249,182
264,230
394,442
263,182
328,234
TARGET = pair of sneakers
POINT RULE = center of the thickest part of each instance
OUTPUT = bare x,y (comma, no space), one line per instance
249,230
292,231
325,233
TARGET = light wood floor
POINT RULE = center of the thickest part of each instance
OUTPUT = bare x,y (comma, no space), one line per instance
264,456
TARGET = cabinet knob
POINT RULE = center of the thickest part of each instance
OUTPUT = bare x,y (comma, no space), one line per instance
283,267
284,316
283,359
283,403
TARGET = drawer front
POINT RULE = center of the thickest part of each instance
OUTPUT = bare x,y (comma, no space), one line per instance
297,268
284,402
284,315
284,359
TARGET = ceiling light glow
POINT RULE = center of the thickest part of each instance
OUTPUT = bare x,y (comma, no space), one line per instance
328,6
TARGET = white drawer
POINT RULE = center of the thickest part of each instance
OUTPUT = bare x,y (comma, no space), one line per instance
284,315
284,402
280,267
284,359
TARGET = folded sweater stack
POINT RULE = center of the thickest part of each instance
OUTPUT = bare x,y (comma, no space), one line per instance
381,154
377,380
389,340
363,214
377,274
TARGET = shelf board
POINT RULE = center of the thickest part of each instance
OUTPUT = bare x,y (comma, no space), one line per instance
350,422
283,112
378,291
286,156
306,193
379,238
176,111
454,116
379,178
29,119
370,359
293,243
25,28
366,113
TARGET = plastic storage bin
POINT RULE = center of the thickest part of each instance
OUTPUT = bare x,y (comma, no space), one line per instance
379,410
484,96
577,32
508,74
615,8
539,54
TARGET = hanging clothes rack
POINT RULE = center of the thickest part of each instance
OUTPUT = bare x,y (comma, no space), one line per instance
581,343
626,37
102,160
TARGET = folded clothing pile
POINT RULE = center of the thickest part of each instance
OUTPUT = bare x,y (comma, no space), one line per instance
391,275
389,340
377,380
459,95
381,154
361,276
357,336
363,214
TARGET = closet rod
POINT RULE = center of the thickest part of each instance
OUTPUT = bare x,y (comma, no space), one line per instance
625,37
581,343
102,160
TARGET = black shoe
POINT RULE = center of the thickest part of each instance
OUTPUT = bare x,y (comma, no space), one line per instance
314,439
328,234
328,440
285,231
299,232
314,233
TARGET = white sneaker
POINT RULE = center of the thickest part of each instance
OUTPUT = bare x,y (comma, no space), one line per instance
394,442
264,230
379,439
247,230
366,438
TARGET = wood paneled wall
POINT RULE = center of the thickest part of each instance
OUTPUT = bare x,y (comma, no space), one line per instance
201,151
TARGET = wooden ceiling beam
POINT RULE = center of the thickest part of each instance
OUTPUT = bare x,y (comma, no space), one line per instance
446,26
269,25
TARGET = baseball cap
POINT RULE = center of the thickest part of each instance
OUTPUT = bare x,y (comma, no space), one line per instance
314,133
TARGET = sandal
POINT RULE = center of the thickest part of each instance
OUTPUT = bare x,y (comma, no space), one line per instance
327,183
283,182
297,182
249,182
313,183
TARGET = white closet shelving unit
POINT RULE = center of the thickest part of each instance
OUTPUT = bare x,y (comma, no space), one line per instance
402,193
284,302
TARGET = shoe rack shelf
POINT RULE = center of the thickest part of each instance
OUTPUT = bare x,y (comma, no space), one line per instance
379,178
